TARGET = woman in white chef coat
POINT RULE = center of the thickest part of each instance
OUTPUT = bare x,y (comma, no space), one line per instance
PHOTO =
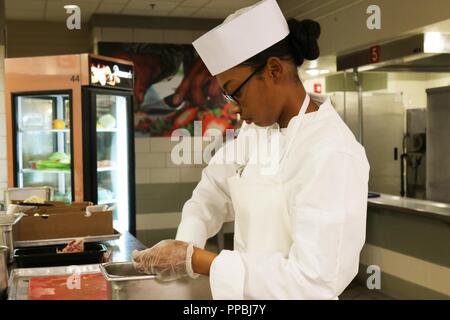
298,231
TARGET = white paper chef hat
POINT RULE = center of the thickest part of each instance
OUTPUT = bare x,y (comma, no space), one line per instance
242,35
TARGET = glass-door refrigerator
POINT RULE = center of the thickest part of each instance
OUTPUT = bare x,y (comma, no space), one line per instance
107,146
70,127
43,142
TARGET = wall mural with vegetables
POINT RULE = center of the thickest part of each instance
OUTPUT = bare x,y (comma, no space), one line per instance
172,89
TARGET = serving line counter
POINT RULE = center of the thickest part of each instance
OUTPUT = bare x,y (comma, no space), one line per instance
418,207
123,282
408,240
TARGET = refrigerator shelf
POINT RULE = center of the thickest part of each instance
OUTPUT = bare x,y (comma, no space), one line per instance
107,201
102,169
45,171
44,130
106,130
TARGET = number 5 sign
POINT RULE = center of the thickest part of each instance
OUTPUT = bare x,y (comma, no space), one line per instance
375,54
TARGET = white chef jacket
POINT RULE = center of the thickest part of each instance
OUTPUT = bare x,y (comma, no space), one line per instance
325,177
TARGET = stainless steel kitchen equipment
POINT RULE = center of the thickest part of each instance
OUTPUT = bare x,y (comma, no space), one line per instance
19,278
414,154
3,271
14,194
425,52
51,242
7,221
438,144
125,283
423,156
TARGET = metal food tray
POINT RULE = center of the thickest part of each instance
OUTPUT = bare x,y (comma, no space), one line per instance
19,278
49,242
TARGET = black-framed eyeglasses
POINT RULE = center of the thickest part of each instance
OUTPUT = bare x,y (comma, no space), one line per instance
232,97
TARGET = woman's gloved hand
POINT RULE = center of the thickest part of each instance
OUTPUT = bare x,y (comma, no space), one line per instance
168,260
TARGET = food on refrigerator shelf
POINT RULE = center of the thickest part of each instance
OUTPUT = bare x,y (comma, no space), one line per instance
60,157
33,164
105,163
106,121
57,160
58,124
74,246
49,164
34,199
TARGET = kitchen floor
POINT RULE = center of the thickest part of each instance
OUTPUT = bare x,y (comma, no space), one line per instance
355,291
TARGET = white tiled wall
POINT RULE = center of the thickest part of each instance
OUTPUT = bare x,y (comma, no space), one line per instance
154,163
3,164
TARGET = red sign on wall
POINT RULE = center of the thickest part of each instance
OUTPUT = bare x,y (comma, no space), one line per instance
375,54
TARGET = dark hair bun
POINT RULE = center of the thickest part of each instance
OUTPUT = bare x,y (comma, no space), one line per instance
303,39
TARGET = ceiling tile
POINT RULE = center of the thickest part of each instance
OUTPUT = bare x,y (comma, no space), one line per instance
137,12
75,2
183,11
213,13
159,4
227,4
109,8
53,6
195,3
107,2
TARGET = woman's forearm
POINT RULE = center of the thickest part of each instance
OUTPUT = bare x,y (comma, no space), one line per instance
202,260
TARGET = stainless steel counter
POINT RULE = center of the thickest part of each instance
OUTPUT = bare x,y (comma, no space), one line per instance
124,288
121,248
425,208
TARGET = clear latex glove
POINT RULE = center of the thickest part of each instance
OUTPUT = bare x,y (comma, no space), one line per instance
168,260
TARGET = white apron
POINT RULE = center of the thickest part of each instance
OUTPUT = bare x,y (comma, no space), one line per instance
262,221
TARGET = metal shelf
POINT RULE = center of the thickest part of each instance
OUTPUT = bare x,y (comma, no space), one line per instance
103,169
107,201
46,171
106,130
44,130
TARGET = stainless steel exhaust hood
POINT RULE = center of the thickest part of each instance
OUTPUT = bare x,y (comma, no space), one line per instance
427,52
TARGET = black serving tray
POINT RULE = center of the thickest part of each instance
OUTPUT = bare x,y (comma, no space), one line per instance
46,256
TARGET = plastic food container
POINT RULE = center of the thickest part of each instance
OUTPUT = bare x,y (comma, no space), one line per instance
46,256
